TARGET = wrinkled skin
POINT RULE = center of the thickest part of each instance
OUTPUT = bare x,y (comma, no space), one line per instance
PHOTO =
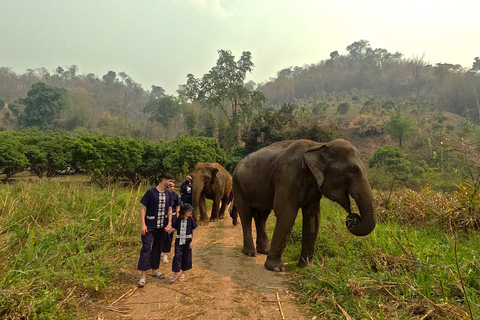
290,175
210,181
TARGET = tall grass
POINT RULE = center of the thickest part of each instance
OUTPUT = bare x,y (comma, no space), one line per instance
62,246
397,272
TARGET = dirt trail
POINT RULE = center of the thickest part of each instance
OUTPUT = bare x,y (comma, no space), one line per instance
223,284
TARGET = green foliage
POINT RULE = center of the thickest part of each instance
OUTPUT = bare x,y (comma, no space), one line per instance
12,153
47,151
397,272
107,158
181,155
272,126
398,127
163,109
63,244
234,157
392,160
43,104
343,108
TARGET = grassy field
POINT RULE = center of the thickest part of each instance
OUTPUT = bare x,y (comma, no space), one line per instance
64,246
397,272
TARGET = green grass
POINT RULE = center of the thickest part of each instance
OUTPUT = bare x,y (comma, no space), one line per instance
396,272
62,246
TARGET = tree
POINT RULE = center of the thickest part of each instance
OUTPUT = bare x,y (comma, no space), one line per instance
223,88
47,152
398,127
43,104
163,110
181,155
12,156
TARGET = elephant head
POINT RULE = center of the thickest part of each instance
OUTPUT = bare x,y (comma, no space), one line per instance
204,177
340,173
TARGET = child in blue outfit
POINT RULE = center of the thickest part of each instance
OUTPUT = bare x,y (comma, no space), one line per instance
185,226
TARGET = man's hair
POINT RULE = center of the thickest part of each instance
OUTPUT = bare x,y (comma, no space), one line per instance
166,176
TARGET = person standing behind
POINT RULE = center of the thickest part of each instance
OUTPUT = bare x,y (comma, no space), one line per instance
186,190
185,226
156,218
168,236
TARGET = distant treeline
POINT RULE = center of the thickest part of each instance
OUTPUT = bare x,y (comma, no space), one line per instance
365,71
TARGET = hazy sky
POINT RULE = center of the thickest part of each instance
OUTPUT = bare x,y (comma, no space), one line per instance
158,42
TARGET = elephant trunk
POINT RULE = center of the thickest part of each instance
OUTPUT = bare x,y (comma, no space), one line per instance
363,224
197,188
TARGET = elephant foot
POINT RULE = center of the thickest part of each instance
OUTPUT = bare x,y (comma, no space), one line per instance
213,219
274,265
262,249
248,251
305,262
203,222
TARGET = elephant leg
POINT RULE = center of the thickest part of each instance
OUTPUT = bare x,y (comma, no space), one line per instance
245,214
285,220
221,213
203,211
311,221
262,236
215,208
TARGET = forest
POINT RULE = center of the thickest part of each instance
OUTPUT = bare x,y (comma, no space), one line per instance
416,124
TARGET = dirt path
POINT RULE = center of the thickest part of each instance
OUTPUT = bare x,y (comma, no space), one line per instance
223,284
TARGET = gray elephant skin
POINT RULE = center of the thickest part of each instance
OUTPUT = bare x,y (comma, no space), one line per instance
210,181
294,174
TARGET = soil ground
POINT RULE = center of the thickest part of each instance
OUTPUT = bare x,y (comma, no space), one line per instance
223,284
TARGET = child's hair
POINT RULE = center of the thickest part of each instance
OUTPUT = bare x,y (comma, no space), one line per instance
184,208
182,215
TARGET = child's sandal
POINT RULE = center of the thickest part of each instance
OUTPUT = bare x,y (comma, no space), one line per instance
182,277
173,277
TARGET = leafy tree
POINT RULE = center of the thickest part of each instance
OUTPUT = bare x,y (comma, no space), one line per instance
223,88
190,119
234,157
43,104
152,165
12,157
163,110
47,152
181,155
398,127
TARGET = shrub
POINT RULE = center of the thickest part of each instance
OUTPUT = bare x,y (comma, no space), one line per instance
366,125
343,108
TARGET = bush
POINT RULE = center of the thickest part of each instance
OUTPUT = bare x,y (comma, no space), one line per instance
343,108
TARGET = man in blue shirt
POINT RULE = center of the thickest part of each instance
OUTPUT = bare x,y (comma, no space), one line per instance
156,218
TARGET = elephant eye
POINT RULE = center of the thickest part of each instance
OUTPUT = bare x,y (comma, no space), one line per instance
353,169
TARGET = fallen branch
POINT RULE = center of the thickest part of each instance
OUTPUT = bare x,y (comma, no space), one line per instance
129,291
280,306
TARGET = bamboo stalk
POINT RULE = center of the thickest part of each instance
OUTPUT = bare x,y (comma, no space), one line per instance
280,306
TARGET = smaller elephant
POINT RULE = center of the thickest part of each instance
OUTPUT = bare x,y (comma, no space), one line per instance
210,181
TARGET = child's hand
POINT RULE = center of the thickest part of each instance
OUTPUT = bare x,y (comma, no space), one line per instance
144,229
191,245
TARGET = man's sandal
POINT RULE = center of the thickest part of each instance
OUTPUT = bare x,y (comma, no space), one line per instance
182,277
173,277
141,283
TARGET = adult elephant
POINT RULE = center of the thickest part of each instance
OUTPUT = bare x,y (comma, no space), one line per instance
210,181
290,175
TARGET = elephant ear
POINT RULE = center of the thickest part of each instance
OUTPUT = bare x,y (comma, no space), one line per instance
215,172
315,161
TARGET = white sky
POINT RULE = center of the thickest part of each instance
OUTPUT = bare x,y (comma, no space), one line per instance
158,42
